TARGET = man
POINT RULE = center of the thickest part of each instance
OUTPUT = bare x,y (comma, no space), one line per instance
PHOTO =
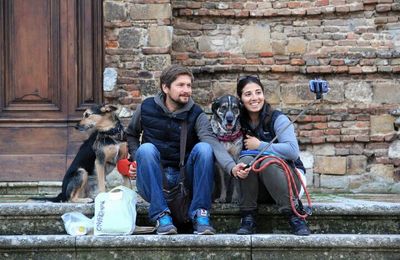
159,118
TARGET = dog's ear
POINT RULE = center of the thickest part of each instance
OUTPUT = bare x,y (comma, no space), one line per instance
215,105
108,108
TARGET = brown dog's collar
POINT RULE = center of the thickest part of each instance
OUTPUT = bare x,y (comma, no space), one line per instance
116,132
230,137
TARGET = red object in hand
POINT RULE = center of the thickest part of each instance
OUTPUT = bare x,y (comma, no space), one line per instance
123,166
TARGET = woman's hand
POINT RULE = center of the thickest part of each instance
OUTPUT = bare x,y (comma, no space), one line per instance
251,142
239,171
132,171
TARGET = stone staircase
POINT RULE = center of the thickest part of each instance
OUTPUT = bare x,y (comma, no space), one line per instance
344,226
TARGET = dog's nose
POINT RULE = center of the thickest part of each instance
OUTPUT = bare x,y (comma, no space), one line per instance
229,117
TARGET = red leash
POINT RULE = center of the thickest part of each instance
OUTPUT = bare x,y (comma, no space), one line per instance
290,180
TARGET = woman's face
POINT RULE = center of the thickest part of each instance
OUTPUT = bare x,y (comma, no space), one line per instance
252,97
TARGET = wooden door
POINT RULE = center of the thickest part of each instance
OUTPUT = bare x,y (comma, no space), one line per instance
51,59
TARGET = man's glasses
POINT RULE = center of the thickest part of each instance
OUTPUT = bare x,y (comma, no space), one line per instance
240,78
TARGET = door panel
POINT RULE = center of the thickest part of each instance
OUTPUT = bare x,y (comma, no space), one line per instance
51,72
31,80
32,167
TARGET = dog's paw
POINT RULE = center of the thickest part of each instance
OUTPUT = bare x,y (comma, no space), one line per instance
220,200
85,200
235,201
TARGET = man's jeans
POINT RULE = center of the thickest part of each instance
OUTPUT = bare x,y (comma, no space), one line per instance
199,174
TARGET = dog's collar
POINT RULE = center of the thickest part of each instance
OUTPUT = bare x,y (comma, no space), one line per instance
117,131
230,137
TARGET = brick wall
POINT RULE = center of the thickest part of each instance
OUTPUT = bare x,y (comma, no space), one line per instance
349,142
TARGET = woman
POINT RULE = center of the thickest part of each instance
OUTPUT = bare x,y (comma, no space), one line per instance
261,124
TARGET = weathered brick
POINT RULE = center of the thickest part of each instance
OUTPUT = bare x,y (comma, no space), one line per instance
347,138
356,164
342,9
150,11
332,132
383,8
114,11
278,68
342,151
160,36
330,165
386,92
256,39
362,138
322,2
355,70
318,140
297,62
381,124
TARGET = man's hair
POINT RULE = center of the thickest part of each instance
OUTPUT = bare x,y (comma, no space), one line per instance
171,73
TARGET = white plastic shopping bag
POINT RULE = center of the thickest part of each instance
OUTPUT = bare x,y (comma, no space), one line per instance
115,212
77,224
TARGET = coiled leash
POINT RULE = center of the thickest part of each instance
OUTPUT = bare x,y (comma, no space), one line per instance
299,211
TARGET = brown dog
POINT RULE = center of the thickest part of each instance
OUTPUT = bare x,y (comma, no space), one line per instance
110,145
96,157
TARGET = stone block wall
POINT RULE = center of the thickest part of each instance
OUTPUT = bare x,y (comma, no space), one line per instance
350,142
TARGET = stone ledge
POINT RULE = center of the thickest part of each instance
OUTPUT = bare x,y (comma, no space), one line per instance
343,206
193,246
188,240
342,216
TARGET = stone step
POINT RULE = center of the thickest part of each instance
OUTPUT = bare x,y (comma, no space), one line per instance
224,246
338,216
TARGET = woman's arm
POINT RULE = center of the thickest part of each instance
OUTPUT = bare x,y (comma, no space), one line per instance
287,146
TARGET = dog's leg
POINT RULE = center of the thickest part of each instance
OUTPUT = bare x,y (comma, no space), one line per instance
101,178
123,151
235,190
79,187
223,188
127,182
123,154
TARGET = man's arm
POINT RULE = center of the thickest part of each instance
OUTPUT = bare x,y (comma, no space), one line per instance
205,134
133,133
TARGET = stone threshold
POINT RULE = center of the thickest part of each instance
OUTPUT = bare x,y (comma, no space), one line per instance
260,246
344,217
344,207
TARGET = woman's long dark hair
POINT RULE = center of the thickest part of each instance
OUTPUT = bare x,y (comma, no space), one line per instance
266,110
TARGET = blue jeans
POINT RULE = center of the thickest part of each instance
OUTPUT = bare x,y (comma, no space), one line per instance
199,174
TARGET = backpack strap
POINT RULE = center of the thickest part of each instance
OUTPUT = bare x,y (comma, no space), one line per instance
182,151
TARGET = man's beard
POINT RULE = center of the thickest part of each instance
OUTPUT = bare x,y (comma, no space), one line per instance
178,103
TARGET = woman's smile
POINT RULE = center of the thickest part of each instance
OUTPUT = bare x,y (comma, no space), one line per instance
253,97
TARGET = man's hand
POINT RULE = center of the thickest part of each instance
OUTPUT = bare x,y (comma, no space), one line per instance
239,171
132,171
251,142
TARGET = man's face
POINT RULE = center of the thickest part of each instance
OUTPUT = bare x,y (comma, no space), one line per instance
179,92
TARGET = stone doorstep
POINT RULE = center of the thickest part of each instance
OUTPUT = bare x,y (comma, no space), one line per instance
350,217
342,206
194,246
30,188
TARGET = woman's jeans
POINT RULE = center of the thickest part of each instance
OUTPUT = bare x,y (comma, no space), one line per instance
199,178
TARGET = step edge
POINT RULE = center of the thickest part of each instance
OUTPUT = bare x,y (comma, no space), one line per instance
257,241
26,209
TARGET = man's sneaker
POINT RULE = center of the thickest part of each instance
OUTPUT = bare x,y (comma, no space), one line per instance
247,225
165,225
201,223
299,226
